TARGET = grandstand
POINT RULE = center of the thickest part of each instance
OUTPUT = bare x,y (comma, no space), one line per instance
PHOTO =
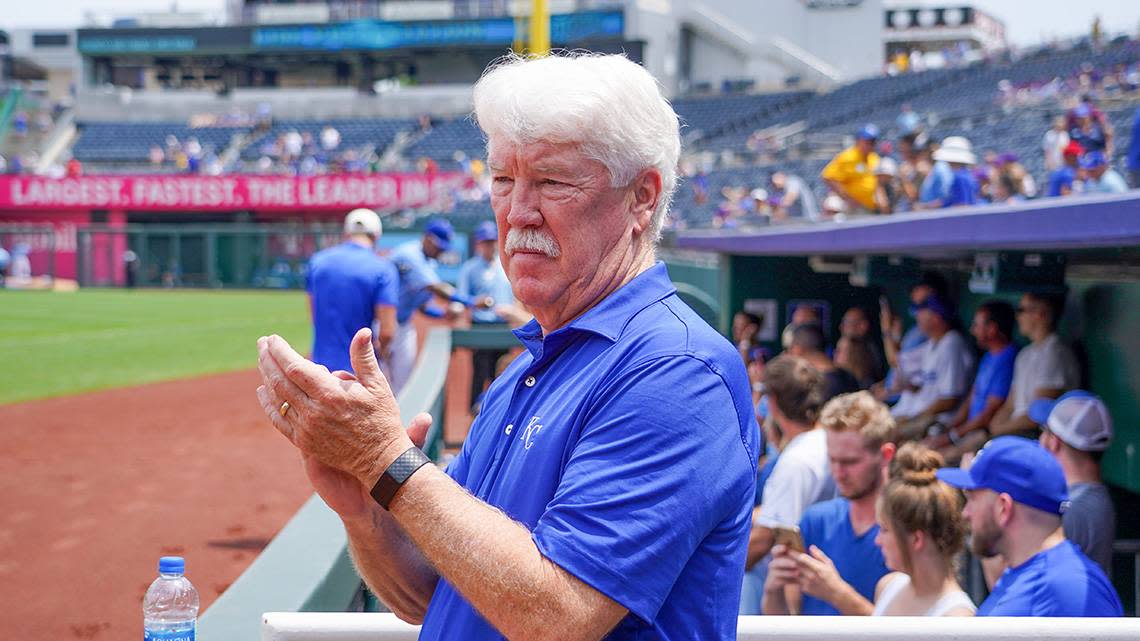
1003,105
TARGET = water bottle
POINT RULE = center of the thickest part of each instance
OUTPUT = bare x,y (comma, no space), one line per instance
170,609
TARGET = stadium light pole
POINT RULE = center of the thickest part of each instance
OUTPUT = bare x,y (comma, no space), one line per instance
540,28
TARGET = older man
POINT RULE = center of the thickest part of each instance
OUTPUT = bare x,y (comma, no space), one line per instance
606,486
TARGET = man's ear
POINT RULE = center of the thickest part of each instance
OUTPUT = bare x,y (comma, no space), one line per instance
645,194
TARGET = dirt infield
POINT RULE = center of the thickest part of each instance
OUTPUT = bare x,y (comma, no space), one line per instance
97,486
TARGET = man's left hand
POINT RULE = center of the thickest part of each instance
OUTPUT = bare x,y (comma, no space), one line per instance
350,424
818,575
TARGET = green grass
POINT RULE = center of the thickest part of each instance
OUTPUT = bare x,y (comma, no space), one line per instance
57,343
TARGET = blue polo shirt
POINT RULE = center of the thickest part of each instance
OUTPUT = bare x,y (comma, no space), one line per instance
346,283
1059,582
827,526
479,278
417,272
936,186
627,444
995,375
963,189
1060,178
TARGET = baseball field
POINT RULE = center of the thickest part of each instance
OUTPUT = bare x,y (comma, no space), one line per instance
58,343
131,430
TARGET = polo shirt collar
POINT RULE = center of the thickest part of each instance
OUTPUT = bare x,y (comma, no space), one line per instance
609,317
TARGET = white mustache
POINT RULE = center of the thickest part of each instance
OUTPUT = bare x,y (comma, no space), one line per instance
530,239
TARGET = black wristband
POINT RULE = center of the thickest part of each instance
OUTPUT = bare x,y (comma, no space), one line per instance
397,473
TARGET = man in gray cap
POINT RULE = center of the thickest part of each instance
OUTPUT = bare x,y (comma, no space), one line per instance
1076,430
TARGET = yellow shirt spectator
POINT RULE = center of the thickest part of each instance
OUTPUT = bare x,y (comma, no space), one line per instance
855,173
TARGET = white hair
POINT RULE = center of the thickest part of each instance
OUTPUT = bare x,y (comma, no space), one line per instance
612,108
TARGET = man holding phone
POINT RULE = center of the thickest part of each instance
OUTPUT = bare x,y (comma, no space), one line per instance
836,563
800,477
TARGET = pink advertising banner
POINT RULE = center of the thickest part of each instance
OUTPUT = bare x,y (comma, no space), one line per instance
227,193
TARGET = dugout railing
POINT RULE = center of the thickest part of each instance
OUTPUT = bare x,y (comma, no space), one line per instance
306,567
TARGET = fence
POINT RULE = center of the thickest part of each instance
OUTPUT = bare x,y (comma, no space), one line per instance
232,255
262,255
41,244
290,626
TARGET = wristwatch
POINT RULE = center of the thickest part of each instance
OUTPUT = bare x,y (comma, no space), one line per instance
397,474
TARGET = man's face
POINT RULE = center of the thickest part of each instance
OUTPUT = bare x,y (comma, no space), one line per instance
854,324
865,145
927,321
982,329
554,192
487,249
431,246
981,513
742,327
919,294
857,471
1028,316
1098,171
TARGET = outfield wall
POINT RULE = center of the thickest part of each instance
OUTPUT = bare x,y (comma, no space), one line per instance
70,206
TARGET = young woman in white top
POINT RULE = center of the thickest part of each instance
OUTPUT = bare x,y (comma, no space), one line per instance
921,532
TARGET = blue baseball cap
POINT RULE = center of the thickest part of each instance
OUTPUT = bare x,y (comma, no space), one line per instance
486,231
1082,111
1093,159
441,230
868,132
936,305
1018,467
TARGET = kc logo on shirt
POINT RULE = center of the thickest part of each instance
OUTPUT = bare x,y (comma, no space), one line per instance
531,432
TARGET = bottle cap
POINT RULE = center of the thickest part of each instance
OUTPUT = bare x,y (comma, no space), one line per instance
171,565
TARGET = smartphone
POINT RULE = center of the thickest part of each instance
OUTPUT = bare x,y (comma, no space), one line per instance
789,535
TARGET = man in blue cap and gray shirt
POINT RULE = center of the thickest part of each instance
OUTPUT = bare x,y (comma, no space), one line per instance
1076,429
1015,496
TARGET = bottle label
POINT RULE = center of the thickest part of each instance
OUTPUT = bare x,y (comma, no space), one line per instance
183,634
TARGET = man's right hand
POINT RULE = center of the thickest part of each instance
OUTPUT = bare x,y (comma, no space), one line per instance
341,491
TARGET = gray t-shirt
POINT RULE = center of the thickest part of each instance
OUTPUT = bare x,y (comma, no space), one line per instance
1090,522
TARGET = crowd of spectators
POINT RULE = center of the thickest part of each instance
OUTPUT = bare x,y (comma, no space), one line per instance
857,511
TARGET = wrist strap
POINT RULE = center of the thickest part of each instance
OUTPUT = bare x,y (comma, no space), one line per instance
397,473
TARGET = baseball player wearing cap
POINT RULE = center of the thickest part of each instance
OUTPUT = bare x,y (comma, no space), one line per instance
1076,430
1102,179
483,280
350,288
419,283
851,173
944,376
1015,496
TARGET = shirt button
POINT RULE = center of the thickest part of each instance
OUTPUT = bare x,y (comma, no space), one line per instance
530,381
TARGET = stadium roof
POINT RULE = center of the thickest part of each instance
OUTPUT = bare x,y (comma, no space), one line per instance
1111,221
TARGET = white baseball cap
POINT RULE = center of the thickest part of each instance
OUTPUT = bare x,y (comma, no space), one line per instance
1078,418
362,221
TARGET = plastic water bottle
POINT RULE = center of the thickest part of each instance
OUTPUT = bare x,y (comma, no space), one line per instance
170,609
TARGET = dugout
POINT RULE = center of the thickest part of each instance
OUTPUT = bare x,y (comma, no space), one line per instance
1087,249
